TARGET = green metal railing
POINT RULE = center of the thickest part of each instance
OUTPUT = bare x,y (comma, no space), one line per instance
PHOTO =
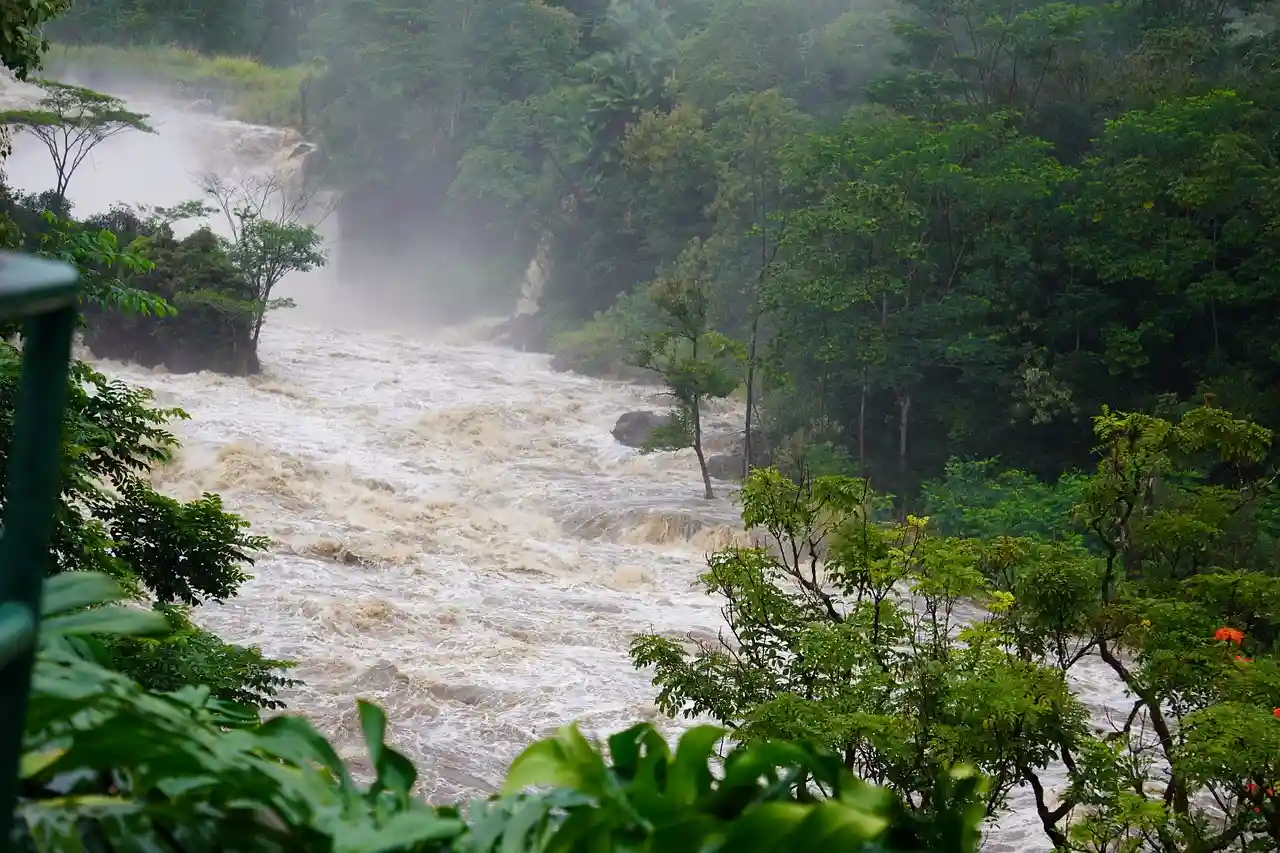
44,295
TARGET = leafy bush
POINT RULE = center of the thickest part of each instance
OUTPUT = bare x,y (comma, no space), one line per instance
977,498
210,324
606,345
862,635
111,766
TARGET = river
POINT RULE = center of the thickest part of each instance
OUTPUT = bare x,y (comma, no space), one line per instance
457,535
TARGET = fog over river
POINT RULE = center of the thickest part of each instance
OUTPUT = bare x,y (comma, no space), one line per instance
458,536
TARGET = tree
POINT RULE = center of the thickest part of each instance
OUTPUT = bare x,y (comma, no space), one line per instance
688,355
70,121
823,645
908,232
268,237
845,629
166,554
212,309
750,212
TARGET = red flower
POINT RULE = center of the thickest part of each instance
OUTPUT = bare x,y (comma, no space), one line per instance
1229,635
1276,713
1243,660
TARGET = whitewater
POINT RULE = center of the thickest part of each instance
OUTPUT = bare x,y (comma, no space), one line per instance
457,536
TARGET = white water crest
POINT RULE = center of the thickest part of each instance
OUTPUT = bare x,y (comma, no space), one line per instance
457,535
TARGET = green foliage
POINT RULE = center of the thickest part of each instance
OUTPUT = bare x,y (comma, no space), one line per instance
979,500
693,360
830,652
109,519
1029,212
852,632
104,266
248,89
604,346
108,765
269,239
1048,207
216,292
265,251
270,30
22,43
209,323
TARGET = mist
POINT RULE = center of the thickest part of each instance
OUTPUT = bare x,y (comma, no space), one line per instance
193,138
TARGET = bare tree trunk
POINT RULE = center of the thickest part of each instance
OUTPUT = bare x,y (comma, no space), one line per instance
696,416
904,414
303,88
862,428
748,456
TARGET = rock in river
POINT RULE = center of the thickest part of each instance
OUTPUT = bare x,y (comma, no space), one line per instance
634,428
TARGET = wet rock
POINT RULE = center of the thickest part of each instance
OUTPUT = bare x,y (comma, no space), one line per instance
302,149
634,428
725,466
381,677
135,339
524,332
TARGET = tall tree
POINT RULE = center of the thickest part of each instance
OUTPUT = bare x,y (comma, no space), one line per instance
269,238
70,121
688,354
750,215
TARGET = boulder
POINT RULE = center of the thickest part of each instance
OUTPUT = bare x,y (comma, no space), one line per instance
634,428
562,363
725,466
524,332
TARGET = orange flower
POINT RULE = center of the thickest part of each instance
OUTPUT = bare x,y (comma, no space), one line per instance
1229,635
1276,713
1243,660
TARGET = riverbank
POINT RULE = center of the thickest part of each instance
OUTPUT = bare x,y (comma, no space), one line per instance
245,89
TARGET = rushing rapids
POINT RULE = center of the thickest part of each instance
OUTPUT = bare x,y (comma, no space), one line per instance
457,535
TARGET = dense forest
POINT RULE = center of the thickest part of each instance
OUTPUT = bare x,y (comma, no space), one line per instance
994,281
939,229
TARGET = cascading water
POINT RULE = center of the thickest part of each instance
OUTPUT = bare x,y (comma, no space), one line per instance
458,537
535,279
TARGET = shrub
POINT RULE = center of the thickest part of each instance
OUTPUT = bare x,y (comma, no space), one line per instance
605,345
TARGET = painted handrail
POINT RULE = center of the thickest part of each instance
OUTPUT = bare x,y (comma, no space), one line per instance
44,295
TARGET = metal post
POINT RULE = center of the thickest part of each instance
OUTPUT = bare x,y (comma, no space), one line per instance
44,293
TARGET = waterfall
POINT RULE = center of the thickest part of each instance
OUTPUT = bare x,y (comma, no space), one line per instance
535,278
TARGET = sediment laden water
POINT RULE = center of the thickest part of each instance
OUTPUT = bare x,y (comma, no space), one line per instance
459,538
457,535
